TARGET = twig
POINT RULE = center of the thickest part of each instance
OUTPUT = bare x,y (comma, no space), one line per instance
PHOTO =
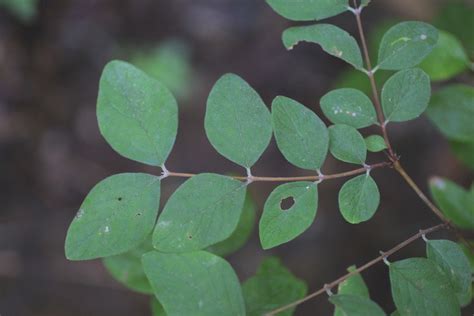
288,179
383,256
370,74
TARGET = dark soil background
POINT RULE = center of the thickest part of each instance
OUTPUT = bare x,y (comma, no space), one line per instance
51,152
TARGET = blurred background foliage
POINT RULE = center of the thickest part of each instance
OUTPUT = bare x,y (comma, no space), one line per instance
51,153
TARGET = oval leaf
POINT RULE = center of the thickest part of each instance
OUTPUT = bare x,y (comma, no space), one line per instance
447,59
356,305
137,115
347,144
288,212
375,143
241,234
353,285
420,289
350,107
300,134
406,44
455,202
452,111
406,95
127,268
359,199
116,216
332,39
272,286
203,211
237,122
156,307
194,283
307,10
450,257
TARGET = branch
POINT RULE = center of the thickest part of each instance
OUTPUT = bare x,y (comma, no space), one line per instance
167,173
370,74
383,256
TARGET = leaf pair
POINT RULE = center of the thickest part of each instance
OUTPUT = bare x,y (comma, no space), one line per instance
439,285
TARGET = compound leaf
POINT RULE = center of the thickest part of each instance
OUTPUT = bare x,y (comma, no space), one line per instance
272,286
406,44
127,268
308,10
456,203
194,283
350,107
419,288
281,223
447,59
242,233
450,257
406,95
354,305
452,111
375,143
332,39
137,115
237,123
300,134
347,144
203,211
116,216
359,199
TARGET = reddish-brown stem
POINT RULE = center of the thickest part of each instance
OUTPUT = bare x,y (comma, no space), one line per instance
288,179
370,74
383,256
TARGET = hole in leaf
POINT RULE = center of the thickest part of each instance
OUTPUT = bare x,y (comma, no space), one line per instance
287,203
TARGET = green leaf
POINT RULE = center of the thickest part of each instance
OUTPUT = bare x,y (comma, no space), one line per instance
241,234
203,211
170,63
406,44
452,111
356,305
117,215
455,265
375,143
156,307
464,152
280,222
25,10
420,289
272,286
455,202
238,123
406,95
300,134
354,285
350,107
359,199
347,144
308,10
332,39
137,115
457,17
469,255
127,268
194,283
447,59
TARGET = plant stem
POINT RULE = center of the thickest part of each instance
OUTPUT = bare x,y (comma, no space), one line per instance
288,179
370,74
383,256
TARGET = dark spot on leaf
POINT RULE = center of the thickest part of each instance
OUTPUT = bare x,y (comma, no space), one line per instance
119,198
190,237
139,214
287,203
